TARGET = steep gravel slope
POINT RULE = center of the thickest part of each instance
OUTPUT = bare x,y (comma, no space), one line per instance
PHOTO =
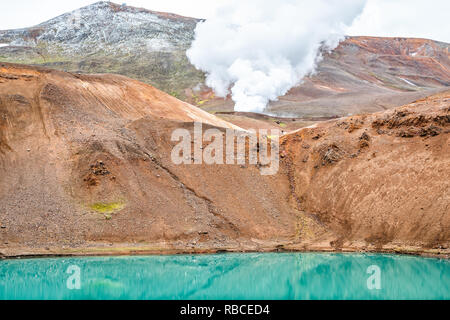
85,168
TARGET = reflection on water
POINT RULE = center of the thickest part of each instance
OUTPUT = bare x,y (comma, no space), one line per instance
228,276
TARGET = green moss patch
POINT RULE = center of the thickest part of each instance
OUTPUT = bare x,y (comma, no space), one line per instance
107,208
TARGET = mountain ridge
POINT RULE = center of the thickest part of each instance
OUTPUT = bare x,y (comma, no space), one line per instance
108,38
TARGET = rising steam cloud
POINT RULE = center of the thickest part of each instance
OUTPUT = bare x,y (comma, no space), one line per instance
259,49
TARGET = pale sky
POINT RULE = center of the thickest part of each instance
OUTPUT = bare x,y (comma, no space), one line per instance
394,18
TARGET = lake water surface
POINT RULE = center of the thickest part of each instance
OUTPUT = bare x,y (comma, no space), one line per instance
271,276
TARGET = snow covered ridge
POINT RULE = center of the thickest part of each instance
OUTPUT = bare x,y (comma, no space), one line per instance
108,26
109,38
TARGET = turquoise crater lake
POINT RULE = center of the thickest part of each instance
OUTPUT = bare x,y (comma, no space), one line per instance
293,276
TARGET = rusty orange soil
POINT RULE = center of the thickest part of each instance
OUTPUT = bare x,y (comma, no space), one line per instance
85,169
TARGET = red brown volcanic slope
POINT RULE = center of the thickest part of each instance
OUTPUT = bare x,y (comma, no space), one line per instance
72,146
85,169
363,74
381,179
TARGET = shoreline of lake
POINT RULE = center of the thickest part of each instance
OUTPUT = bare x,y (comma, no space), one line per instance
167,248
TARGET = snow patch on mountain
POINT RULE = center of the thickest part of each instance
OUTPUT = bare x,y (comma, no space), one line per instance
106,26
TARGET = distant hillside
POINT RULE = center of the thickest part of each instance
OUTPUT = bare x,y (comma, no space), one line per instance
369,74
109,38
364,74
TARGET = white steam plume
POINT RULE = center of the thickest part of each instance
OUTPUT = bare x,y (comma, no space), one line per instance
261,48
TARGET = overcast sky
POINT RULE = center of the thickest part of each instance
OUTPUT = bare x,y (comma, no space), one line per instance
394,18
